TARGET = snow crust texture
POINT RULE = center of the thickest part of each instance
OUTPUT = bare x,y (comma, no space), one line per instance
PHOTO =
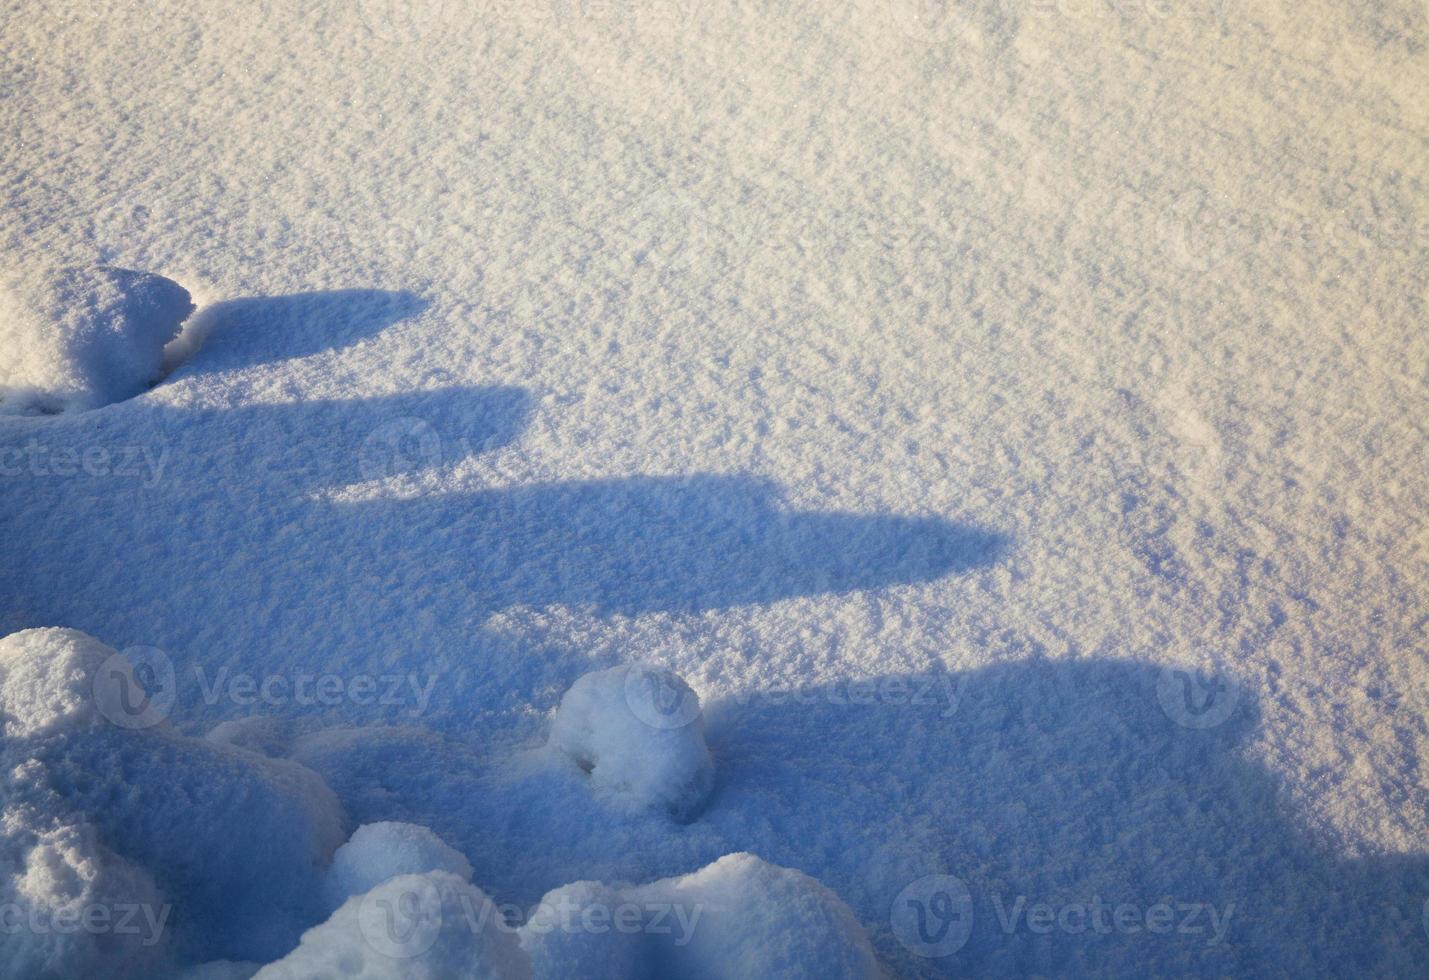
77,338
1009,417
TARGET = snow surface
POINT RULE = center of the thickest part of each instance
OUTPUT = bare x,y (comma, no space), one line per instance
433,926
235,844
378,852
80,338
738,917
934,394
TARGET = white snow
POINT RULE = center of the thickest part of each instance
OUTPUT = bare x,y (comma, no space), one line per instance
738,918
432,926
575,932
238,842
636,731
81,337
378,852
1008,417
63,894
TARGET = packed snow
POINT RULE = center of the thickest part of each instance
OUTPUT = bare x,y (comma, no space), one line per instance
378,852
80,338
236,842
636,731
738,917
970,457
432,926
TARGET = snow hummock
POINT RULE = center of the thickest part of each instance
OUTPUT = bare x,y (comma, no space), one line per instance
740,917
737,918
76,338
561,941
432,926
53,873
229,855
378,852
238,842
636,730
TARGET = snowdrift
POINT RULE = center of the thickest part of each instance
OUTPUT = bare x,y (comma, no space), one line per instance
78,338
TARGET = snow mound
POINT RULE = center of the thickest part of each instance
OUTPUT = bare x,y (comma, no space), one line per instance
575,932
432,926
379,852
637,732
78,338
735,919
72,907
237,842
